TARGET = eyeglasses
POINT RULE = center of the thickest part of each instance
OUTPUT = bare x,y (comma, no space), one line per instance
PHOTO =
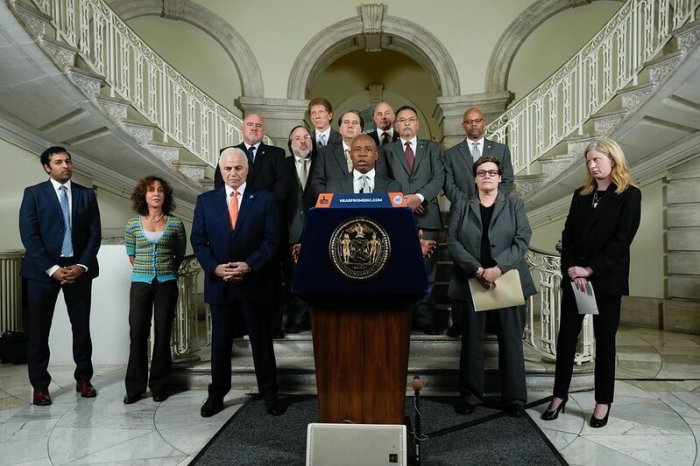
491,173
301,138
403,121
471,122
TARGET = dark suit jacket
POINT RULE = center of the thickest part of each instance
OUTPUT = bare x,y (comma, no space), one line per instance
382,184
375,135
427,178
41,228
509,235
299,200
600,238
254,241
331,165
459,168
268,172
333,138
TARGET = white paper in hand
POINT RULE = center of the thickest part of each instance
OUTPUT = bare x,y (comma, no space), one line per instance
585,300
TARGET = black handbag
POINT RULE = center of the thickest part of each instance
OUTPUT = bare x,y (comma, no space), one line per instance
13,347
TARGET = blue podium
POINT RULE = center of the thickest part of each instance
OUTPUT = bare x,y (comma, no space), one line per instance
361,270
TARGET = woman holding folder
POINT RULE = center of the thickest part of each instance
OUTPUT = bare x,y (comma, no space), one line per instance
488,236
603,219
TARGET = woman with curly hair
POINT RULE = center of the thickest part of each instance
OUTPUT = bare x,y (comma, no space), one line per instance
155,243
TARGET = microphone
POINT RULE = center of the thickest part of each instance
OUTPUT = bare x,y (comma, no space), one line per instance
417,384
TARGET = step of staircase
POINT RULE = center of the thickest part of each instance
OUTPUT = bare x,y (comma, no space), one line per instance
434,358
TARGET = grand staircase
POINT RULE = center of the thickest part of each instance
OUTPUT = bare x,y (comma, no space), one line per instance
74,74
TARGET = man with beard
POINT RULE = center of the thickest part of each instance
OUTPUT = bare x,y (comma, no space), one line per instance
384,121
299,201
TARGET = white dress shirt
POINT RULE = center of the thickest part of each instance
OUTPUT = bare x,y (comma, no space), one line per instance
358,180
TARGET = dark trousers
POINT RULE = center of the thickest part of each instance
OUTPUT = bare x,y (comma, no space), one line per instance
158,300
223,322
297,309
41,300
605,326
511,364
425,308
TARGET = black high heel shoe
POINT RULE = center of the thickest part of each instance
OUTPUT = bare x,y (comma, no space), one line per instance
552,415
595,422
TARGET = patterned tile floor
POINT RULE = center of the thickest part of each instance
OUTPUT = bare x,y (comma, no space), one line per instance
655,418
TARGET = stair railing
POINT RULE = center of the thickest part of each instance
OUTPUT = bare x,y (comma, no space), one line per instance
611,60
544,310
134,72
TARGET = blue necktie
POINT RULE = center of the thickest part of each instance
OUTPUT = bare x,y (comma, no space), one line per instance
251,157
67,248
322,140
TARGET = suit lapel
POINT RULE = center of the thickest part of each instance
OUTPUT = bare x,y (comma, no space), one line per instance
50,194
421,149
401,155
488,147
475,210
498,208
249,198
339,155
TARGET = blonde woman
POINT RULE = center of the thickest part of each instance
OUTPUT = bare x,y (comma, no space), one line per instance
603,219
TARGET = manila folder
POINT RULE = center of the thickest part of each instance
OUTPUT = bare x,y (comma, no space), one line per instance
507,292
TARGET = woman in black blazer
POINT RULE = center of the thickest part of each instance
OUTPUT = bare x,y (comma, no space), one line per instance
489,235
603,219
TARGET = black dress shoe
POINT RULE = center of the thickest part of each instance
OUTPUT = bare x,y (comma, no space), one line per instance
454,331
277,334
515,410
160,397
130,398
85,388
596,423
41,397
211,406
273,405
464,407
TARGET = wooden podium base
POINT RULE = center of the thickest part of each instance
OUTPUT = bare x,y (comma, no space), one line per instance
361,364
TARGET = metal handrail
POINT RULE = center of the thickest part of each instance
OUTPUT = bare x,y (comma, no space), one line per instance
611,60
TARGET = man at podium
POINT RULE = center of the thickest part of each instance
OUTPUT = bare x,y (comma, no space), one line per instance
364,179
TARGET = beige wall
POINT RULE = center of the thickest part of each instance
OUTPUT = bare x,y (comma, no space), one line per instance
554,42
193,53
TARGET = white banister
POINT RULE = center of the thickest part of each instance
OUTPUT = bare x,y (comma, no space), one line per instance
544,308
611,60
10,291
184,113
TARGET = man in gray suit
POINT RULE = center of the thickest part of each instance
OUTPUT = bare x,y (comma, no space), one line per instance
417,165
460,159
321,115
459,181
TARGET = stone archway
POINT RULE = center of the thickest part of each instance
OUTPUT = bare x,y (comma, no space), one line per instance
383,31
516,33
230,40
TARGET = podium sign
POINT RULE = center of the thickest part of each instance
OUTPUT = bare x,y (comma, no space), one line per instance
361,269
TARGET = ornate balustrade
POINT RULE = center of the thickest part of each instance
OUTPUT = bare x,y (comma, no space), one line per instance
543,310
184,113
10,291
186,338
611,60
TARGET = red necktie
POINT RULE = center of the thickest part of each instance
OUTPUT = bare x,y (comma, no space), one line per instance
410,157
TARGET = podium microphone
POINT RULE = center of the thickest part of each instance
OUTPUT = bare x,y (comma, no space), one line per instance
417,386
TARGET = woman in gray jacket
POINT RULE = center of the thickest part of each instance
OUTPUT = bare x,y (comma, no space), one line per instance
489,235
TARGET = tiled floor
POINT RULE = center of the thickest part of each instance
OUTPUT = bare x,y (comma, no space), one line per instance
655,418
